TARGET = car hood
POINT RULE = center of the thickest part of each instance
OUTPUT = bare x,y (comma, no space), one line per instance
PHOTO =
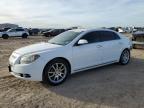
37,48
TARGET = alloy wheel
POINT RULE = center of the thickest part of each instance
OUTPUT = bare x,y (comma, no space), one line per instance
125,56
57,72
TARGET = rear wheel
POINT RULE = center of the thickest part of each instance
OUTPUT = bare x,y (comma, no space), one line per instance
5,36
56,72
125,57
24,36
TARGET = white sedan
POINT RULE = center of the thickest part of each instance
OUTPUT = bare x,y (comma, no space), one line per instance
72,51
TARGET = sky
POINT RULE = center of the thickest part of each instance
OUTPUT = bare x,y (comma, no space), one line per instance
66,13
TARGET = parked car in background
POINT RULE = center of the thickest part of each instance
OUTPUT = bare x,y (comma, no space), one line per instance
18,32
69,52
53,32
44,30
138,39
71,28
34,31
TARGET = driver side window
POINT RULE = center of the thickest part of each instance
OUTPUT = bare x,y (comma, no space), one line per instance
92,37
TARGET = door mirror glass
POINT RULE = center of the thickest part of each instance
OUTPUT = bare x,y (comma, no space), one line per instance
82,42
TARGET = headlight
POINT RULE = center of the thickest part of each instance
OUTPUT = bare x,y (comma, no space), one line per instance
26,59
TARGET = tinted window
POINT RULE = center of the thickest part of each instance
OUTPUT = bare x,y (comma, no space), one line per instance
60,30
107,35
55,31
92,37
19,29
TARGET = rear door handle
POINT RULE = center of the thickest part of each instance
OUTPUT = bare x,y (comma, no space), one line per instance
99,46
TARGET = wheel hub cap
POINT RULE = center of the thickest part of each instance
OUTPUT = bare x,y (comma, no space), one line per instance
125,57
57,72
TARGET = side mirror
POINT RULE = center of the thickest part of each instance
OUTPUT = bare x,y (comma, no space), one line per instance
82,42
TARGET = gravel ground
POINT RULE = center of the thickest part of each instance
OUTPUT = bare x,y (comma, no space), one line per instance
112,86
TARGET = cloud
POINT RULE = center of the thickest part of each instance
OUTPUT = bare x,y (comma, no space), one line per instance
87,13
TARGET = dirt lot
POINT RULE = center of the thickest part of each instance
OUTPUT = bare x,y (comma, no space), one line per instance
112,86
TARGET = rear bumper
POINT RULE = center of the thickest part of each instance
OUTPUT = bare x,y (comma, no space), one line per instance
138,43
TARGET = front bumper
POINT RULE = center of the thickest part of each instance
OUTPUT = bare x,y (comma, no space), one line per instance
20,75
31,71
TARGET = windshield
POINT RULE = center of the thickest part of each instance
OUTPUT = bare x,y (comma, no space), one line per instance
51,30
64,38
9,30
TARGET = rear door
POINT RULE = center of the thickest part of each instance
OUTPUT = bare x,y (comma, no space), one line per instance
19,32
112,45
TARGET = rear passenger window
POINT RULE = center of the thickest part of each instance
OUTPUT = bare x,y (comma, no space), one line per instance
108,35
100,36
19,29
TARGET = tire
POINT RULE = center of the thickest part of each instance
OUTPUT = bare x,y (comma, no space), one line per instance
125,57
24,36
5,36
52,75
47,35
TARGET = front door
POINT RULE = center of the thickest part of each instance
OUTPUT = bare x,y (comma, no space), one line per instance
87,55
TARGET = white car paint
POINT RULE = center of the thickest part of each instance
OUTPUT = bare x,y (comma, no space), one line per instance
80,57
13,32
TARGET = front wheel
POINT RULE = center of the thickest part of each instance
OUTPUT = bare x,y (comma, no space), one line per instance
5,36
24,36
56,72
125,57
